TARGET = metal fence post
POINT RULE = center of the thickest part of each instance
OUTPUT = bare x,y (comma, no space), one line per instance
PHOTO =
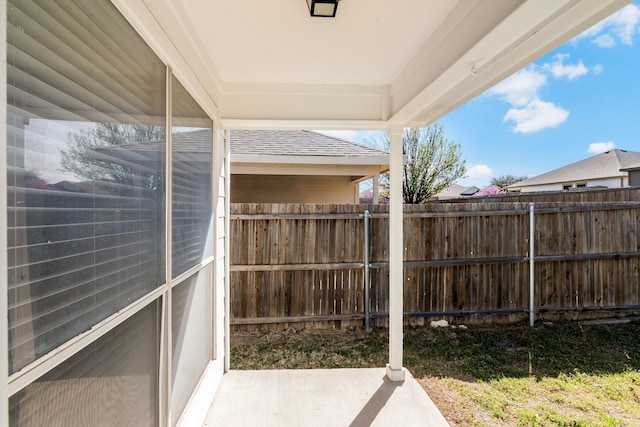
367,272
532,309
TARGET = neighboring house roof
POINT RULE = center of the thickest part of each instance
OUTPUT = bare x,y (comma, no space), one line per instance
300,152
606,165
272,147
198,141
455,191
630,168
297,143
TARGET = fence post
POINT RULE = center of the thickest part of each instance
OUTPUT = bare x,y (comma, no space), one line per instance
532,313
367,272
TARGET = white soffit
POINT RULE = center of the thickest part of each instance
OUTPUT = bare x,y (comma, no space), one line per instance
382,161
377,62
359,171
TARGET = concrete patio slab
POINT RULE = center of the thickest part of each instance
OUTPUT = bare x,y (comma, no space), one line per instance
321,397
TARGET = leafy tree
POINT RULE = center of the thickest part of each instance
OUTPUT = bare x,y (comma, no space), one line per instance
432,163
83,159
506,180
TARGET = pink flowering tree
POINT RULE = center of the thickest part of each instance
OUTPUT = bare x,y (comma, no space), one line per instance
489,191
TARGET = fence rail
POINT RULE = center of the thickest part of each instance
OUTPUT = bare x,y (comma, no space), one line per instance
303,265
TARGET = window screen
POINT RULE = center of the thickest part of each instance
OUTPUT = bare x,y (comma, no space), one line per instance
191,335
112,382
192,168
86,172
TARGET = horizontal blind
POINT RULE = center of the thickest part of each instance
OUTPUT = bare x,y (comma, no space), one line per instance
85,201
192,169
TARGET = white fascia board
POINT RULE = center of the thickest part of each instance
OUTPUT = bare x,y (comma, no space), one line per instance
445,48
308,169
533,29
309,160
273,102
252,124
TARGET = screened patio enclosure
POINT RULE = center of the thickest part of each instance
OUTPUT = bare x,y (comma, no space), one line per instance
115,219
110,226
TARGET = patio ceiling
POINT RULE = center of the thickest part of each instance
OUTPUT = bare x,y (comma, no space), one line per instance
269,64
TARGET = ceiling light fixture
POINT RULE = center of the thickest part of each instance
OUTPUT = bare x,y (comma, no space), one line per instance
323,8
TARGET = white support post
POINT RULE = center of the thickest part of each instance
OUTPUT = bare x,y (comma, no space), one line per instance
227,252
375,190
395,371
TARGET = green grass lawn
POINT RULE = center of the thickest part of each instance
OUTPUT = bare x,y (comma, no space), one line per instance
566,374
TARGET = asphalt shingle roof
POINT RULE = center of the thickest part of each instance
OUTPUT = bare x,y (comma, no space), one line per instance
455,191
296,143
605,165
267,143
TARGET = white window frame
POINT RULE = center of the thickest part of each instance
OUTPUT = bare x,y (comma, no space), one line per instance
4,322
10,384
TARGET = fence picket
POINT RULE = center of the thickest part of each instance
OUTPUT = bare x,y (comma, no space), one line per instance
304,262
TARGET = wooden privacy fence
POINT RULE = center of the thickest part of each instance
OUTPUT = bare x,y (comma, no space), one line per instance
298,265
583,195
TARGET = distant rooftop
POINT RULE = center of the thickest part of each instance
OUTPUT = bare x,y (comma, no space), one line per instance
455,191
296,143
604,165
266,143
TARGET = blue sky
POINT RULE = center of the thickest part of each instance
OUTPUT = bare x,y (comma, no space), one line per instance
579,100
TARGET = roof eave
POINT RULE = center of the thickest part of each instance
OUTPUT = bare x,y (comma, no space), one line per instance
360,171
310,160
509,41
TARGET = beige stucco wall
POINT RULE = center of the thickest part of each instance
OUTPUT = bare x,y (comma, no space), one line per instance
292,189
615,182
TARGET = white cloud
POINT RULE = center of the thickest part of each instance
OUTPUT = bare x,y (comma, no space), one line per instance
605,41
521,91
560,69
601,147
520,88
621,26
625,23
479,171
536,115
